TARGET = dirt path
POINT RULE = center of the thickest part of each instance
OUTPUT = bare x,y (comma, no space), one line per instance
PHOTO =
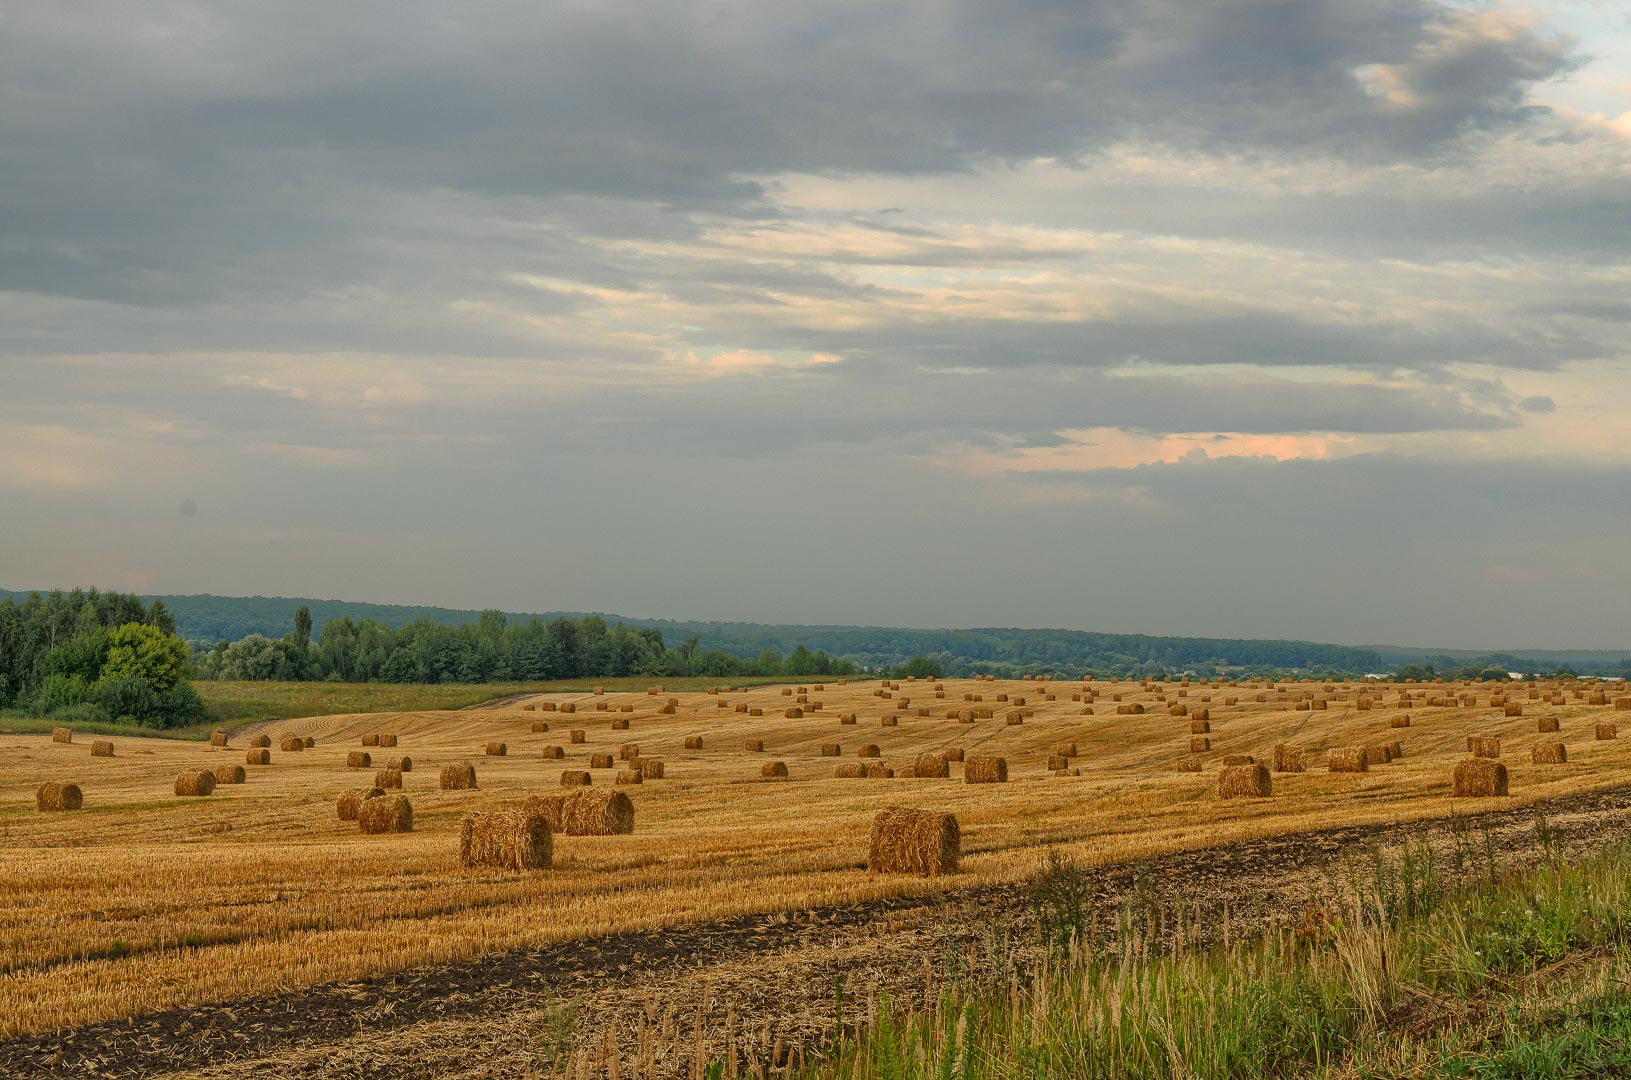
760,985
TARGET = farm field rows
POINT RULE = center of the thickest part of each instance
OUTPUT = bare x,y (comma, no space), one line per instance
144,900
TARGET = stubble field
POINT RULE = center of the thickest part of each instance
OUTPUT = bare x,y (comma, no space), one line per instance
144,900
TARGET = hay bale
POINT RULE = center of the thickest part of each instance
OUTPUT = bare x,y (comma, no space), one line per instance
351,801
877,770
201,782
888,721
577,735
1057,762
552,752
359,759
62,735
1130,709
1230,760
56,795
1551,753
229,774
651,768
869,750
308,742
628,751
460,777
831,749
260,756
1512,708
538,727
1245,781
547,706
497,749
773,770
1065,749
604,706
1400,721
1379,754
370,740
1192,765
529,708
568,707
628,776
1546,725
795,713
1347,759
742,707
390,779
401,764
907,841
1199,744
600,761
386,814
1622,703
1479,778
261,740
755,745
846,718
1015,718
576,778
627,706
954,753
668,710
985,769
620,725
217,738
693,742
1199,727
1485,746
588,811
387,739
1395,750
290,744
755,712
850,769
930,767
507,839
1607,731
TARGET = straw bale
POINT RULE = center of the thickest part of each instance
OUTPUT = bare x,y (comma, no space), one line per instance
201,782
258,756
850,769
628,776
459,777
985,769
359,759
869,750
907,841
1487,746
1245,781
507,839
1238,759
1199,744
1400,721
388,778
576,778
931,767
651,768
217,738
773,770
1479,778
756,745
291,743
57,795
261,740
1347,759
385,814
1552,753
1607,731
954,753
879,771
351,800
229,774
64,735
1546,724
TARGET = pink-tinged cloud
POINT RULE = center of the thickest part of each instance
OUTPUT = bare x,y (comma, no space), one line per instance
1116,448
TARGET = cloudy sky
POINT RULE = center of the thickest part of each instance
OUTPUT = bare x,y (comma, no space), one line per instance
1242,318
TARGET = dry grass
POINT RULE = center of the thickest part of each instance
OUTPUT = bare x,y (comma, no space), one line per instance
297,897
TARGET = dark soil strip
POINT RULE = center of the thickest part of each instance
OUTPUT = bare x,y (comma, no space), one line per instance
186,1038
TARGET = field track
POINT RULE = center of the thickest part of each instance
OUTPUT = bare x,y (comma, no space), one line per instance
483,1017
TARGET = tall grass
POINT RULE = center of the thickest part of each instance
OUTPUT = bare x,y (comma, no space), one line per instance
1389,942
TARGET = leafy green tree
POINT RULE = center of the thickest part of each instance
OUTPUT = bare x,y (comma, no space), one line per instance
921,667
302,626
136,651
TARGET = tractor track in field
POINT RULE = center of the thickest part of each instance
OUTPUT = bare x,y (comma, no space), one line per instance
366,1027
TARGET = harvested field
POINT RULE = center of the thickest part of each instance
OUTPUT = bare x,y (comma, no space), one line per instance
297,897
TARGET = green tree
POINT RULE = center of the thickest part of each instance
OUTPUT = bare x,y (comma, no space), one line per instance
143,652
302,626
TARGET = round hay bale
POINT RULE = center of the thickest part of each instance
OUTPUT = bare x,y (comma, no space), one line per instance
600,761
1347,759
229,774
1057,762
529,708
877,770
62,735
1379,754
359,759
869,750
628,751
1199,727
569,707
598,691
906,841
1238,759
576,778
552,752
985,769
291,744
628,776
308,742
846,718
547,706
459,777
218,738
954,753
668,710
370,740
620,725
849,770
1484,746
693,742
755,711
1622,703
349,802
1014,718
387,739
1551,753
741,707
627,706
385,814
773,770
1400,721
1512,708
261,740
259,756
388,779
587,811
506,839
1245,781
201,782
1189,765
497,749
888,720
1199,744
1607,731
831,749
1546,725
755,745
577,735
795,713
931,767
651,768
1479,778
57,795
603,706
400,764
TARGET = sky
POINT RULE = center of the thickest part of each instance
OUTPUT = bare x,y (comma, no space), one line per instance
1251,318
